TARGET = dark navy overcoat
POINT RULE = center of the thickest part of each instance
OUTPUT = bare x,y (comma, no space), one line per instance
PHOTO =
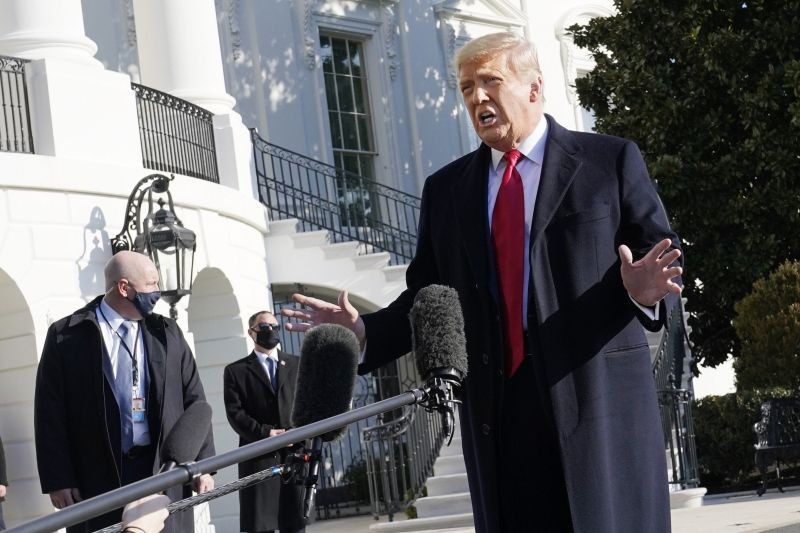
594,194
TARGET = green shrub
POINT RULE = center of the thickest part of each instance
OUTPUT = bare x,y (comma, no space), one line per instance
725,438
768,325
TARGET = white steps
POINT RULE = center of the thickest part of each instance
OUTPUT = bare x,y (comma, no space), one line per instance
447,508
444,505
454,448
449,464
311,259
447,484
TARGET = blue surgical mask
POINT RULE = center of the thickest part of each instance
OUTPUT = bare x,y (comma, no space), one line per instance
145,302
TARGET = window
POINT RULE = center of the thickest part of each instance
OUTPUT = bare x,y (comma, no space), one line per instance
351,127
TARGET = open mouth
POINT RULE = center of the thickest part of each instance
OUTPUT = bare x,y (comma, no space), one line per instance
487,118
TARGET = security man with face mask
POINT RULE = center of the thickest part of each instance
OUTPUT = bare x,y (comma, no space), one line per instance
259,393
113,379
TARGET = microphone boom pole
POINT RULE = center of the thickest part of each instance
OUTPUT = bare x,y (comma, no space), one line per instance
184,473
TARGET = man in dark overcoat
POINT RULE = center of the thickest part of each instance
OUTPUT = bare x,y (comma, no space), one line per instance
259,393
560,423
91,439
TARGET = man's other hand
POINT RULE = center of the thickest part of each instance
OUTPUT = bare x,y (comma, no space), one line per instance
649,279
65,497
203,484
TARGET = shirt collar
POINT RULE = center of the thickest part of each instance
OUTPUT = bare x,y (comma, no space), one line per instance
532,147
113,318
273,354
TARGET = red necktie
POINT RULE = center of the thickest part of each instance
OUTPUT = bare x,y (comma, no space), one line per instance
508,239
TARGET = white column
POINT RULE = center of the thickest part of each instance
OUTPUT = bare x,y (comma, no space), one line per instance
78,109
179,53
38,29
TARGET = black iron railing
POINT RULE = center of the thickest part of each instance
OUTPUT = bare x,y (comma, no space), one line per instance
15,119
349,206
675,403
177,136
400,457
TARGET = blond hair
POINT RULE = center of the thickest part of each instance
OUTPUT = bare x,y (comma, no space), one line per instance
522,57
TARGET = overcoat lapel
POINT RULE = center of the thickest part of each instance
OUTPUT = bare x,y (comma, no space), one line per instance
155,341
470,197
558,170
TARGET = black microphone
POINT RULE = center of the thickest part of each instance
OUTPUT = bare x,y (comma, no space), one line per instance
183,442
440,347
326,379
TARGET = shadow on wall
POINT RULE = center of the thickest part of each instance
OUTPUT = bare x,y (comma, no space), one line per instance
18,361
96,251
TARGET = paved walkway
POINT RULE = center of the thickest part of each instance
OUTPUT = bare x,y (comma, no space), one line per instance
353,524
741,513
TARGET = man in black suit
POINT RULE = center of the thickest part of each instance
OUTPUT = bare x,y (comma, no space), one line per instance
537,230
259,393
113,379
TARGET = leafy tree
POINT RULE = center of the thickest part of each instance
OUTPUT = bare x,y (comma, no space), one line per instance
710,90
768,323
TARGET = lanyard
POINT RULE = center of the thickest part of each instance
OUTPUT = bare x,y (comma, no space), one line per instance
134,362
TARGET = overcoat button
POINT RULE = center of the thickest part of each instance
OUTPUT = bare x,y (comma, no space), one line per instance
485,359
486,429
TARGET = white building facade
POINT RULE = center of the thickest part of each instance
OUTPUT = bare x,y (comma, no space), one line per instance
364,85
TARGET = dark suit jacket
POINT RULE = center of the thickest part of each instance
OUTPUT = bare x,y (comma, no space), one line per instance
76,418
253,409
591,351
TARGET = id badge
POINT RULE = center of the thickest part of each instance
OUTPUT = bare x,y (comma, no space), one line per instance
137,408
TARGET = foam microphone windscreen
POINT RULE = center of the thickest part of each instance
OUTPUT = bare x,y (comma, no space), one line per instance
326,376
437,331
184,440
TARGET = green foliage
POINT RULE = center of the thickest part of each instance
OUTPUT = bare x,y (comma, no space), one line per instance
768,324
725,437
710,90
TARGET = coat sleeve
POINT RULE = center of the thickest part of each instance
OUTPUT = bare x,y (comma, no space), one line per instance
193,390
644,222
242,423
51,433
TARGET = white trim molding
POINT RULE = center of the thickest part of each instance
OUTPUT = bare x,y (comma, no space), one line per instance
576,60
461,21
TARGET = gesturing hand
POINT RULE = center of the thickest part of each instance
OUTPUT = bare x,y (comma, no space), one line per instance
318,311
649,279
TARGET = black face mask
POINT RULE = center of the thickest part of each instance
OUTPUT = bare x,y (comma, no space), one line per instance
268,338
145,302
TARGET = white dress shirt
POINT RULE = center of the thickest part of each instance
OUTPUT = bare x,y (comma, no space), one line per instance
109,320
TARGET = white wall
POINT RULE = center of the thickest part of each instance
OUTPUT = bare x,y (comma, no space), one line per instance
270,54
